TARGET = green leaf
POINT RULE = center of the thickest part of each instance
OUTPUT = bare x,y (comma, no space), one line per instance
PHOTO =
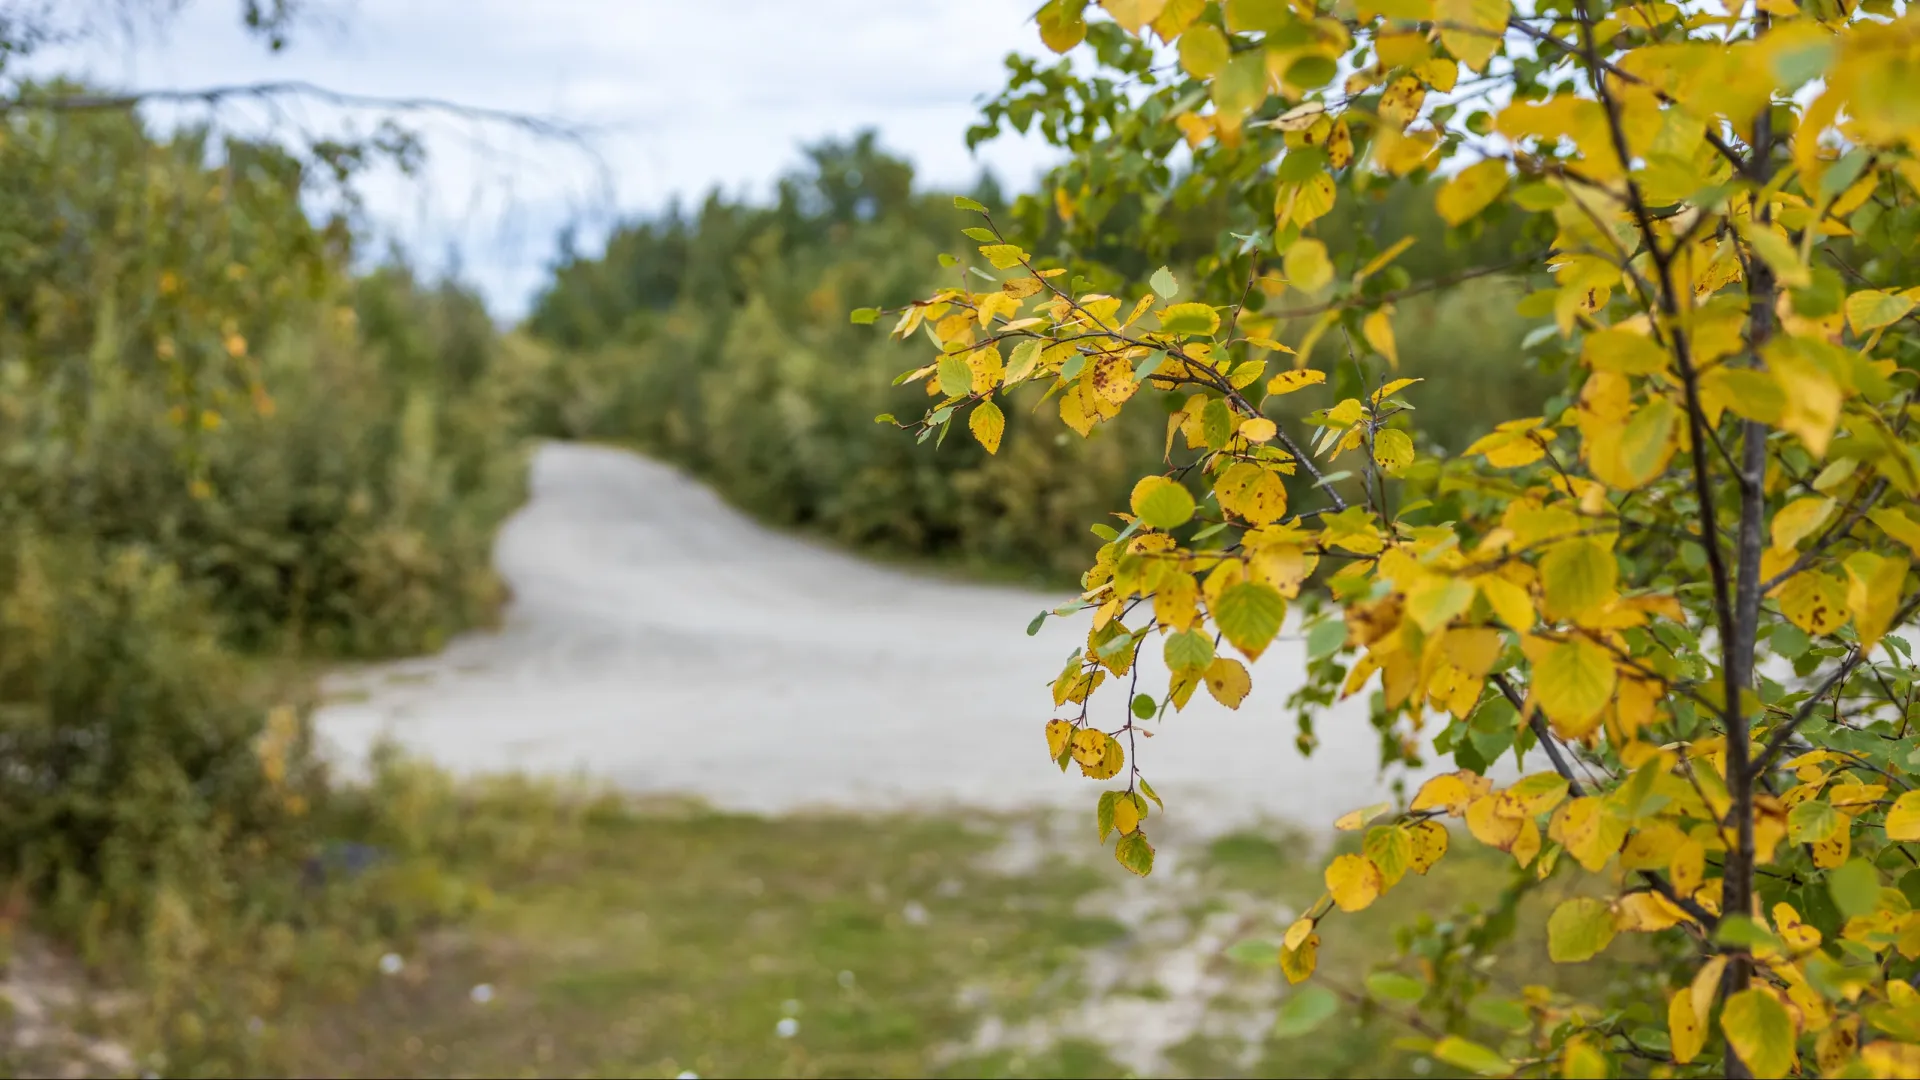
1802,61
1038,621
1500,1012
1855,887
1255,952
1216,423
885,418
1144,706
1760,1031
985,236
1311,71
956,378
1103,813
1326,638
1249,614
1393,986
1471,1056
1579,929
1841,174
1304,1010
864,316
1163,284
1188,650
961,202
1741,932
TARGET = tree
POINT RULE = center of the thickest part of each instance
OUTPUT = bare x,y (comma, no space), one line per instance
1679,586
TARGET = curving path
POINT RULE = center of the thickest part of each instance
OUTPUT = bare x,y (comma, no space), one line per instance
662,641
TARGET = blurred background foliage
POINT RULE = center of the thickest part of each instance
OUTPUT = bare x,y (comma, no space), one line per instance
229,449
717,338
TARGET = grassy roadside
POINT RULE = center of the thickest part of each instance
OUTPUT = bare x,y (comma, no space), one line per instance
507,927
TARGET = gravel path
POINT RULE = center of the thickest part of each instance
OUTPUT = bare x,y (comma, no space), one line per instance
661,641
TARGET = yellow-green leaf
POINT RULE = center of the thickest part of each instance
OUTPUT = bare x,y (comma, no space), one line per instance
1647,442
1249,614
1471,1056
1897,525
1189,319
987,424
1760,1031
1579,576
1870,309
1624,352
1573,681
1354,882
1134,853
1133,14
1162,503
956,377
1471,190
1203,51
1579,929
1061,24
1391,850
1306,265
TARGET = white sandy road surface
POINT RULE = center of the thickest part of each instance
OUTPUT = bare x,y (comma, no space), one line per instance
661,641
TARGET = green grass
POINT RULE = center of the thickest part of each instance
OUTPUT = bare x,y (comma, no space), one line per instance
627,938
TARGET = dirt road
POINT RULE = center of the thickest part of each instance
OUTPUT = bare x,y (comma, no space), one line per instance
662,641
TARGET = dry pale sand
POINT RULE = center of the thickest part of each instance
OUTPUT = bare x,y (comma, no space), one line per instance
661,641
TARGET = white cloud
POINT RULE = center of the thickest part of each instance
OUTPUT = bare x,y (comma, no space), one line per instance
684,96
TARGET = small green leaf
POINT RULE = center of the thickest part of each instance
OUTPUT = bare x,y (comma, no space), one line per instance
1855,888
1163,284
885,418
1103,813
948,262
1038,621
985,236
1249,614
961,202
1326,638
1393,986
864,316
1304,1010
1579,929
1255,952
1144,706
1471,1056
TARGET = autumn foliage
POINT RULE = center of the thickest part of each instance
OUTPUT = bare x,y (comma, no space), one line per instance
1681,588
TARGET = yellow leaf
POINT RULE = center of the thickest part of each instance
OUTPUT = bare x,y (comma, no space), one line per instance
1089,746
1378,330
987,424
1488,827
1450,792
1058,732
1759,1029
1228,681
1252,492
1259,430
1126,815
1288,381
1510,603
1298,933
1837,1045
1815,601
1298,963
1903,819
1573,681
1873,593
1623,352
1340,146
1354,882
1471,190
1478,27
1107,764
1897,525
1133,14
1531,795
1306,265
1685,1032
1429,843
1798,520
1646,913
1305,202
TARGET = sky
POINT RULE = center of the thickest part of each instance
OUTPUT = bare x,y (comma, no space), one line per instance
677,96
